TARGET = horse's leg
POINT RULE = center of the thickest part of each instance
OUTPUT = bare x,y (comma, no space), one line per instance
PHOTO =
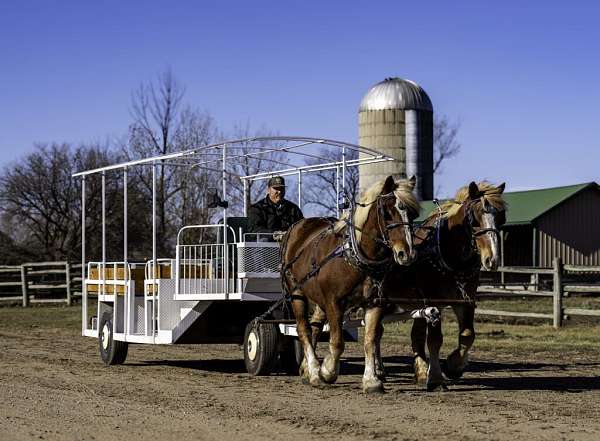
310,372
435,379
370,382
317,321
459,358
331,364
418,336
379,368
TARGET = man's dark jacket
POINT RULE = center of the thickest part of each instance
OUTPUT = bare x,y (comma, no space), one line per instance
266,217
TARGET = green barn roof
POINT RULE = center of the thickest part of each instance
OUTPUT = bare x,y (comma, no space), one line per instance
526,206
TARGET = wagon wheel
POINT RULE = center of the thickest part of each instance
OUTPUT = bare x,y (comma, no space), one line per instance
292,355
260,348
111,350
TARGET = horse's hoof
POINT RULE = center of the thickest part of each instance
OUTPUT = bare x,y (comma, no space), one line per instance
454,366
303,369
329,379
317,382
436,387
420,369
453,374
373,388
420,380
328,376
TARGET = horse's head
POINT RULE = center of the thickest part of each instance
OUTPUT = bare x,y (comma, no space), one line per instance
485,213
396,208
478,210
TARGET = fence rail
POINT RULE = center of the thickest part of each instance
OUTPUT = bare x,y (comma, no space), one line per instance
45,282
564,280
40,282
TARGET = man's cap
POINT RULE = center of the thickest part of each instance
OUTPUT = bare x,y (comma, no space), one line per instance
276,181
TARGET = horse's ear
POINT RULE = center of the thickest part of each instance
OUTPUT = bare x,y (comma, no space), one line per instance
473,190
412,181
389,185
501,187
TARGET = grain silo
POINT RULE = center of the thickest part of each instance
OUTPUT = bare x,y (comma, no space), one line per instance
396,118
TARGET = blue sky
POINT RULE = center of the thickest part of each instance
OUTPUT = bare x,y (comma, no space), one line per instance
521,77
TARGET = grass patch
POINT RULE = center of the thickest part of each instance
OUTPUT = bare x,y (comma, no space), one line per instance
511,339
538,304
41,316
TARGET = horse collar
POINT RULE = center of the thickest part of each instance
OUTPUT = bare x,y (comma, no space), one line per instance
443,265
355,257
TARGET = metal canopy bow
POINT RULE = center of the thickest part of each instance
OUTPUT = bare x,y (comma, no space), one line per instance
208,157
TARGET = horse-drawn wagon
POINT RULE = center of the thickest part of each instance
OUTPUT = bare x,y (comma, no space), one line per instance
220,278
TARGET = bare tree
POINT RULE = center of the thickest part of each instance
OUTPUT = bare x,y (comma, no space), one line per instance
162,125
445,142
251,157
320,195
41,202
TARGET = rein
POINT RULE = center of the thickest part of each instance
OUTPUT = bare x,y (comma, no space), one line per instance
350,248
383,227
462,275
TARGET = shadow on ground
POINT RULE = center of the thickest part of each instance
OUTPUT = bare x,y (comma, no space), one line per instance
480,374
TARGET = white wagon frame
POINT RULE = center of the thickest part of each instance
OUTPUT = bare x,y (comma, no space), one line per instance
162,309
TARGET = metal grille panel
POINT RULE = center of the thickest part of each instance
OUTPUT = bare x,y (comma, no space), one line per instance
258,259
139,317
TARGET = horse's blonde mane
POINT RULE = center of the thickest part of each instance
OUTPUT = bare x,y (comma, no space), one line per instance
403,191
487,191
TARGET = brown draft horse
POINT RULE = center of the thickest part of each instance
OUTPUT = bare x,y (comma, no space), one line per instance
325,262
452,244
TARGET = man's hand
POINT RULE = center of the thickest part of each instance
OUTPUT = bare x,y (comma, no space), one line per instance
278,235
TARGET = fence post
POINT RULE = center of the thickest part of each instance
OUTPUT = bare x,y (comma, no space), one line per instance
24,287
558,293
68,280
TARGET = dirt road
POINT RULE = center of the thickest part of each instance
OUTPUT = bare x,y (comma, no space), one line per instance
53,386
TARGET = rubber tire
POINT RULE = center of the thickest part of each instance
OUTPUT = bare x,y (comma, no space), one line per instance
113,352
260,348
291,357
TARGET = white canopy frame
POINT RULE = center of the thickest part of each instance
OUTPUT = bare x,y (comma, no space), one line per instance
223,152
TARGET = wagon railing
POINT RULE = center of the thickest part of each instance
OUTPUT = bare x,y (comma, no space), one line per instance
205,268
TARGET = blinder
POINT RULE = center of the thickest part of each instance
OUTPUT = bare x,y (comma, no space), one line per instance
385,228
487,208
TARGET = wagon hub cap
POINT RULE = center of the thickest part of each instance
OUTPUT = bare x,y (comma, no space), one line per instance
105,336
252,345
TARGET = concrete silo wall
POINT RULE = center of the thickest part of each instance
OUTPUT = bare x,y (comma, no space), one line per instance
385,131
419,151
395,117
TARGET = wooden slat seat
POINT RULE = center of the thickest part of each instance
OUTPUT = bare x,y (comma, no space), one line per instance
136,273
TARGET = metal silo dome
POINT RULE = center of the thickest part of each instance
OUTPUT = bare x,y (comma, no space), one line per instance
396,93
395,117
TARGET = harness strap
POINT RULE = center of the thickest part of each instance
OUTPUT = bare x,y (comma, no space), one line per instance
337,252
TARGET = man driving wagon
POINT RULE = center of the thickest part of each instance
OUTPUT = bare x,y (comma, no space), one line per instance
273,214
